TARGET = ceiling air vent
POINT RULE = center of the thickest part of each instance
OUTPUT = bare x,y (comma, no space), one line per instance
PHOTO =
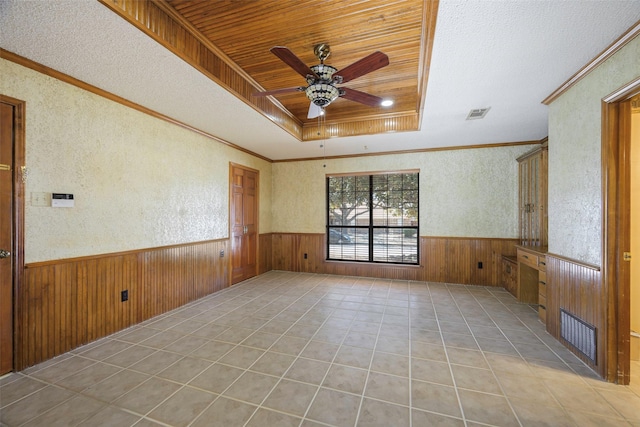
478,113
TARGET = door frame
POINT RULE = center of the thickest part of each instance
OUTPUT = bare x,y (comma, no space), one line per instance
233,165
616,227
19,177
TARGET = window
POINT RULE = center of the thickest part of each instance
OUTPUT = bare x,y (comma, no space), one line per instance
373,218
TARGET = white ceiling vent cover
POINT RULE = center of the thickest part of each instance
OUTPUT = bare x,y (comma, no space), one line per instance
478,113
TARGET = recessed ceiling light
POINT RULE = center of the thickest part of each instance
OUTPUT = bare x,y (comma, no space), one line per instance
387,103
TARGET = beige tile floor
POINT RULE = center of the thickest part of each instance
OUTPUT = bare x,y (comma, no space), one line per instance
289,349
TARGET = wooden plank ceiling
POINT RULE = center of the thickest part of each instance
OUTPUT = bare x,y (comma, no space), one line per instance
238,34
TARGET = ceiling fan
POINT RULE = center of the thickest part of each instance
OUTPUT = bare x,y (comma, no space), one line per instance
322,79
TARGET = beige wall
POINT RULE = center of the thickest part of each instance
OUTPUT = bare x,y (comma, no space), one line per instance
635,222
138,181
575,165
463,193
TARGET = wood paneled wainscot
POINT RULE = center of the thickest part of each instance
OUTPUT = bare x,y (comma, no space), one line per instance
461,260
576,288
64,304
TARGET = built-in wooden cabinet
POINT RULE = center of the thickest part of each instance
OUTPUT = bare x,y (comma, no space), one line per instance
532,175
510,274
532,277
542,289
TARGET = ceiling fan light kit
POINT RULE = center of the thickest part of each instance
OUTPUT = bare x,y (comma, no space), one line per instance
322,94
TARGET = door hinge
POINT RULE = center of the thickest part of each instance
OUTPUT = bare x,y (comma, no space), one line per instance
626,256
4,167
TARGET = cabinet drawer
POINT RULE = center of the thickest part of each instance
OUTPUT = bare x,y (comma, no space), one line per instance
542,314
542,263
542,290
542,277
528,258
542,301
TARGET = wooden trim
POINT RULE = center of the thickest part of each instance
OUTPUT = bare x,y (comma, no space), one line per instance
27,63
624,92
39,264
429,19
18,205
621,42
421,150
335,175
395,122
575,262
543,146
616,230
173,14
503,239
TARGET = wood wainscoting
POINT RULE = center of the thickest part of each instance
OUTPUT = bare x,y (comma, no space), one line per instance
442,259
64,304
577,288
265,261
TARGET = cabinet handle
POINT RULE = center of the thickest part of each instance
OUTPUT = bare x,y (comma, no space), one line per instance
525,256
542,283
543,263
542,306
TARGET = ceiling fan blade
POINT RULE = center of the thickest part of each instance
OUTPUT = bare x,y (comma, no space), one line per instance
279,91
364,66
314,111
361,97
293,61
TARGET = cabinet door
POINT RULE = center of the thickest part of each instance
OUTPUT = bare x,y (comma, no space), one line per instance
523,174
532,176
534,206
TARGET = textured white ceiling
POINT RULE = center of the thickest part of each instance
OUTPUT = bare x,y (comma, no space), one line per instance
508,55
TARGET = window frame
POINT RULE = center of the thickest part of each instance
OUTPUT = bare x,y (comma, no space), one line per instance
371,227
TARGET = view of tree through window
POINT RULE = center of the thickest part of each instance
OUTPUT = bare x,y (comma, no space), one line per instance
373,218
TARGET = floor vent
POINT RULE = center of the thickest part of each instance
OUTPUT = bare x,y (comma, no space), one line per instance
578,334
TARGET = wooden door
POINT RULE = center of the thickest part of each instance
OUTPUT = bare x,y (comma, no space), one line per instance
244,223
6,237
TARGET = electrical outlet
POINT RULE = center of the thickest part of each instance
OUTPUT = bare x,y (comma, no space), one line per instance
124,295
480,265
222,253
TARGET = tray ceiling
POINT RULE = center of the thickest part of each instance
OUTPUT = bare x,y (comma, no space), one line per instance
230,42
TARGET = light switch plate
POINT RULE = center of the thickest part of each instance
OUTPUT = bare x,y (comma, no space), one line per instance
40,199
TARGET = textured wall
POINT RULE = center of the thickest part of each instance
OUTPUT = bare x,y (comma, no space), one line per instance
575,165
463,193
138,181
